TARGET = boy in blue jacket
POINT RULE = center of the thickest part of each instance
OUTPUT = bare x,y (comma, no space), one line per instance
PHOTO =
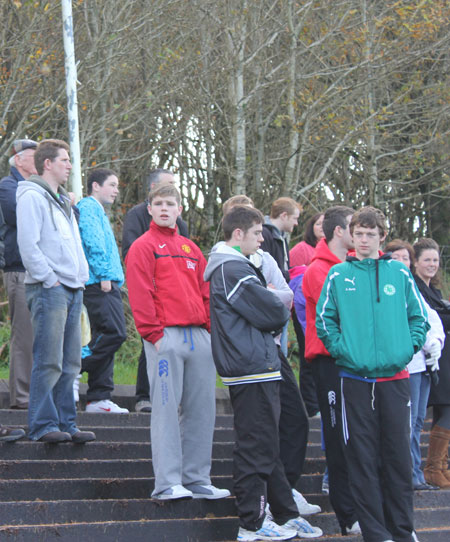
102,294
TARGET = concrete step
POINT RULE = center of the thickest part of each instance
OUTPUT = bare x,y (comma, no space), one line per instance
101,490
93,450
209,529
133,419
192,530
118,468
108,488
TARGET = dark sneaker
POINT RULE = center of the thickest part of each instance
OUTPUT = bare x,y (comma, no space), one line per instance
80,437
10,435
143,406
55,437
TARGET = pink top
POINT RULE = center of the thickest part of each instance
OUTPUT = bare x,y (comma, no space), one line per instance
301,254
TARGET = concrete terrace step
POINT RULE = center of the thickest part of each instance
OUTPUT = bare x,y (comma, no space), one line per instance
118,468
101,491
133,419
107,487
192,529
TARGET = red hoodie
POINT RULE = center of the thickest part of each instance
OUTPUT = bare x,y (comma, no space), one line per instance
165,282
313,281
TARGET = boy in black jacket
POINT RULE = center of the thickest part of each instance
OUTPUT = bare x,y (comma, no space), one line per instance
244,315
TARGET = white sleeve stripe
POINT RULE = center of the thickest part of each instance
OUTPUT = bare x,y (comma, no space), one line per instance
335,274
244,279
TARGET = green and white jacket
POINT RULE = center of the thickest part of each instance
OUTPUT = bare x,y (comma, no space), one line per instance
371,317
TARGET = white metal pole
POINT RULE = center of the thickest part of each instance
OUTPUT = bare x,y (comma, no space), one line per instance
72,102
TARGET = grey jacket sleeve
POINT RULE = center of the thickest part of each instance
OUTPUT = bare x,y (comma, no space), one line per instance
29,221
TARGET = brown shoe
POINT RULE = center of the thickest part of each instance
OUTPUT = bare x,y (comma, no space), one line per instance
55,437
438,447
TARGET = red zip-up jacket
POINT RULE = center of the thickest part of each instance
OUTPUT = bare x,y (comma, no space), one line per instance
165,283
313,281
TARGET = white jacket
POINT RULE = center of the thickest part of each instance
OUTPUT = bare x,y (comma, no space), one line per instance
436,333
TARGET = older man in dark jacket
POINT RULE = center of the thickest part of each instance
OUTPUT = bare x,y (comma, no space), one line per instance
21,357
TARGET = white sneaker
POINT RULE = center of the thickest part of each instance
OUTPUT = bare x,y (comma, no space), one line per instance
304,507
207,492
76,388
354,529
172,493
268,531
304,528
105,405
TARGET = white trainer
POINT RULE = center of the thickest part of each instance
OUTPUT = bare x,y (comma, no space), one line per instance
200,491
304,507
172,493
354,529
304,528
268,531
105,405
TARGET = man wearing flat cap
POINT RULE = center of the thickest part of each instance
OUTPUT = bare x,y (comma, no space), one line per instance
21,356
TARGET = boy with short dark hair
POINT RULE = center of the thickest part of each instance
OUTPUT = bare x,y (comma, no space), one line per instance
244,317
102,296
170,304
371,319
330,251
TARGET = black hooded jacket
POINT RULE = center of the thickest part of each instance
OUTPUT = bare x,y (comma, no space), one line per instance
244,315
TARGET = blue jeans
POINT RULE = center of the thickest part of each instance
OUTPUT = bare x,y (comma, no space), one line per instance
420,389
55,316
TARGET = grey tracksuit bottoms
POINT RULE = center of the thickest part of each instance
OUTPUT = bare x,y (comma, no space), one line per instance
182,378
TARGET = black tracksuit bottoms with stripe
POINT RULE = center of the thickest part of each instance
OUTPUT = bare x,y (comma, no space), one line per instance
377,419
328,388
258,473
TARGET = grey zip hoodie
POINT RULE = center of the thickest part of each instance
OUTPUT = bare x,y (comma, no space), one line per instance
48,237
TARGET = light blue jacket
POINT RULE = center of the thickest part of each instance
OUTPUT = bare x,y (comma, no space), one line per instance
99,244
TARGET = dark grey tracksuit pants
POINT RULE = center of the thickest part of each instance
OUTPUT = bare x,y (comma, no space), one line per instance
328,388
293,425
109,331
258,472
377,418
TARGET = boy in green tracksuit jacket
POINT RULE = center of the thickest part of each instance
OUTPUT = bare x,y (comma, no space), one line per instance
371,319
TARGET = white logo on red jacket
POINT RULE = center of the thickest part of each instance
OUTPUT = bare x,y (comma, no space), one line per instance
190,265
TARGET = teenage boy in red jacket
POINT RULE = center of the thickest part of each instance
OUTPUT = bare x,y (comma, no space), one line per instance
330,251
170,304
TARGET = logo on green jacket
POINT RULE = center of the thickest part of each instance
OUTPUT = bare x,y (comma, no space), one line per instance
389,289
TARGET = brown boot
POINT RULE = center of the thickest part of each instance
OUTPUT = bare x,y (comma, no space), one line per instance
438,447
445,470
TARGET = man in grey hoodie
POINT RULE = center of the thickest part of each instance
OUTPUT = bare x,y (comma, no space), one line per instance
56,270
